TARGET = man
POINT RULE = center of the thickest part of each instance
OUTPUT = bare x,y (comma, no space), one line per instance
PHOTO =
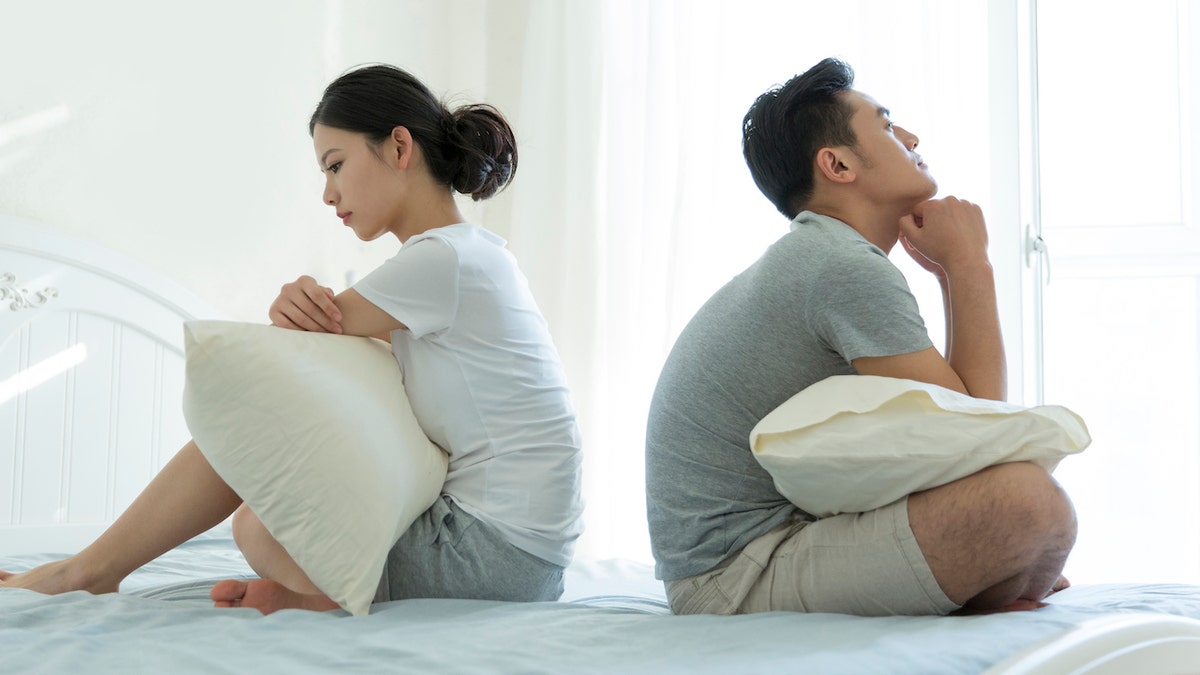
825,300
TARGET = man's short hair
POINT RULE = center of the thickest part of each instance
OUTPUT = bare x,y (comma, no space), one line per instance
785,127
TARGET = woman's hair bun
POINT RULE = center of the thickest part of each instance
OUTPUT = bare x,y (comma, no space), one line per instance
484,147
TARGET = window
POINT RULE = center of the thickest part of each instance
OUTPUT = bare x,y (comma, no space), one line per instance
1117,99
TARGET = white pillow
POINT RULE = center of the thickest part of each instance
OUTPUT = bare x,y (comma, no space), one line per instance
314,431
854,443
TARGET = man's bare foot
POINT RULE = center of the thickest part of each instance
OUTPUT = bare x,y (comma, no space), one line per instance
1019,605
1062,584
266,596
60,576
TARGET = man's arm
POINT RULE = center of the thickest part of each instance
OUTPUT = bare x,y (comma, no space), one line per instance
974,346
949,238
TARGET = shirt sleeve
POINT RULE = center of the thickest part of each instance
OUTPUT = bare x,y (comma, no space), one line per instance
418,286
867,308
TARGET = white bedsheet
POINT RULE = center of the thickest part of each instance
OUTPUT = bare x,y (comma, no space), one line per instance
613,618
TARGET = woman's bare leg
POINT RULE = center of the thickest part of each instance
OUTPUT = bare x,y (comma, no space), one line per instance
185,499
266,556
283,585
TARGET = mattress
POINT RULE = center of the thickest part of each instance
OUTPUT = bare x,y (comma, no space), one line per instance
613,617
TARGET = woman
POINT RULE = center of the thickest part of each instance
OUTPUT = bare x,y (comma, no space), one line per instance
481,372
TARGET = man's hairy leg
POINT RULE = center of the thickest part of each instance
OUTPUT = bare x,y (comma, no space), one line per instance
996,539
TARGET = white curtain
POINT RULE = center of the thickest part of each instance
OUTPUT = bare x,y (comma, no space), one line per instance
633,203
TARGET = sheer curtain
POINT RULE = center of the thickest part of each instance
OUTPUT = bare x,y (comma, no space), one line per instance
634,203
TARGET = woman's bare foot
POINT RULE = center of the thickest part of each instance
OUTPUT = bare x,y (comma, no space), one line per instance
60,576
266,596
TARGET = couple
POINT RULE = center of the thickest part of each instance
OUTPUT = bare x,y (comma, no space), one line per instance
460,318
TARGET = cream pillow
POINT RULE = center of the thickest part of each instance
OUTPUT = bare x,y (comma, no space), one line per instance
854,443
314,431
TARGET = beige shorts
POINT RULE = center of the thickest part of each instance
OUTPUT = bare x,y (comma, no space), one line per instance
868,564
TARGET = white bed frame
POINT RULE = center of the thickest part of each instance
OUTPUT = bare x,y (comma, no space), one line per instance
1141,644
91,379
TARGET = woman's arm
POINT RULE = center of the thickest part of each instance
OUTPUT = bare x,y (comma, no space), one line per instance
361,317
306,305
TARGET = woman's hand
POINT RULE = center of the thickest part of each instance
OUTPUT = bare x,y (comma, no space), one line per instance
305,305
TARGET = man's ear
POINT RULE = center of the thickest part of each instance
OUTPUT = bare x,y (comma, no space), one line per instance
401,147
836,164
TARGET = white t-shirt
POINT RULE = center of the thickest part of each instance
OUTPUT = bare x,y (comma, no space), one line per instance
486,384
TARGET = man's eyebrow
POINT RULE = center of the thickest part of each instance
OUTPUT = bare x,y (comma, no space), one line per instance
883,112
326,154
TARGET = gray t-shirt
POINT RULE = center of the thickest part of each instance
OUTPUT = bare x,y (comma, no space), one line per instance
820,297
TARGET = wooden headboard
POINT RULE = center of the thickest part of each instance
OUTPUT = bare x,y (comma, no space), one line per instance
91,379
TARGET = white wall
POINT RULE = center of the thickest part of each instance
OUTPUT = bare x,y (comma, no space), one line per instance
177,132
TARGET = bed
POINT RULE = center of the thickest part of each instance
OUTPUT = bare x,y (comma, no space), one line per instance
91,372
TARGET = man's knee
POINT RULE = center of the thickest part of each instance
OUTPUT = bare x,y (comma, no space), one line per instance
1034,504
1008,523
1041,534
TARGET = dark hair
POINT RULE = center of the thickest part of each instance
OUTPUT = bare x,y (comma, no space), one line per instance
787,125
472,149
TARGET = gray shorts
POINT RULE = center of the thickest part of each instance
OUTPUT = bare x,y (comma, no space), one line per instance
448,553
867,564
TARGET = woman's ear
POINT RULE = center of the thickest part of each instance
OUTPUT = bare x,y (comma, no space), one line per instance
402,142
836,164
